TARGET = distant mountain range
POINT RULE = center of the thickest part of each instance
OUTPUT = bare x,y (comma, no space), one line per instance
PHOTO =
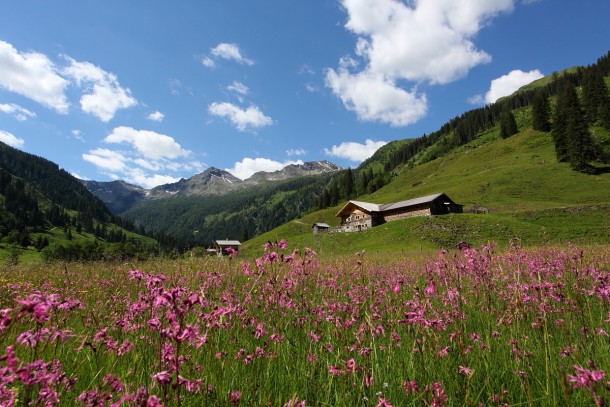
120,196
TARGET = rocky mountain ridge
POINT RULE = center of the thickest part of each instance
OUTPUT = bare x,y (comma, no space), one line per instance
119,196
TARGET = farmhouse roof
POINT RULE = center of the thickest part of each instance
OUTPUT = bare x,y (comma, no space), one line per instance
367,206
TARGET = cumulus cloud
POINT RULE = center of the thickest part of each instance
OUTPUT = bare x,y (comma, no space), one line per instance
20,113
34,76
248,166
295,151
242,119
427,41
230,51
104,94
375,98
353,151
147,143
10,139
139,177
507,84
156,116
106,159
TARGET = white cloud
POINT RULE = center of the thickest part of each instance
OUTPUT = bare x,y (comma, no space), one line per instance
34,76
353,151
77,135
208,62
375,98
76,175
239,88
507,84
230,51
156,116
106,159
19,112
11,140
147,143
417,41
104,96
150,161
250,118
295,151
139,177
248,166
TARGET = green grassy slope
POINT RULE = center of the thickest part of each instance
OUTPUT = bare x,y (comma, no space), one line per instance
531,198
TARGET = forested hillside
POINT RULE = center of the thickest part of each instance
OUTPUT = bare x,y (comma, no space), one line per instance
237,215
46,211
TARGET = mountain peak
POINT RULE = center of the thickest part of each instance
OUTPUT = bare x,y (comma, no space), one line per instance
294,171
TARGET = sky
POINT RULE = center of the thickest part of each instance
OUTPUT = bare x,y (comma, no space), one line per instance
153,91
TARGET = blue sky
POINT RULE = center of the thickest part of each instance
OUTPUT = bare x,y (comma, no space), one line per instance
152,91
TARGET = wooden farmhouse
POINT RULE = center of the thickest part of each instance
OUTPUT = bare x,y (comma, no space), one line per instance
356,215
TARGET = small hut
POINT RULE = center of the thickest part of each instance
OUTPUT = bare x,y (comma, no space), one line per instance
221,246
320,227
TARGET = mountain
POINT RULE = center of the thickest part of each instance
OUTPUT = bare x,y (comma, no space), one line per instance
117,195
120,196
294,171
212,181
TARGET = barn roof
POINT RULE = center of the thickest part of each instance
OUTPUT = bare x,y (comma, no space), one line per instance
412,202
321,225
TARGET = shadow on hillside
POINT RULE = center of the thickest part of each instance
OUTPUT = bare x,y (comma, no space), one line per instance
599,170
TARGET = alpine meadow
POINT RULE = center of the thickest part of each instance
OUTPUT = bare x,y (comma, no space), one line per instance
469,266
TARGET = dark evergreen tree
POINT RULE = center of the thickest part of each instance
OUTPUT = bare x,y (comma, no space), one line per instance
565,99
573,142
594,94
347,184
541,112
508,124
333,193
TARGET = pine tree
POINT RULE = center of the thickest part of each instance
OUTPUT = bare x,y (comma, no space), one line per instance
541,112
333,193
508,124
573,142
347,184
594,94
560,121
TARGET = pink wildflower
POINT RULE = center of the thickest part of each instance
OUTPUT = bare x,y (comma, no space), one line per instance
381,402
235,397
464,370
585,377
